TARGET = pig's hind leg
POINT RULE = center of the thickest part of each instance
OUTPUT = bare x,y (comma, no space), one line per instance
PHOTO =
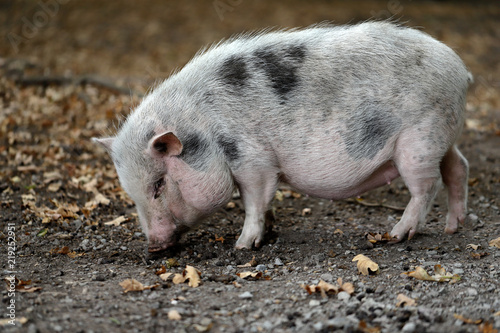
455,173
420,172
257,189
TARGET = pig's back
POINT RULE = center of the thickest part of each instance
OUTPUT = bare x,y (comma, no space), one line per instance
339,95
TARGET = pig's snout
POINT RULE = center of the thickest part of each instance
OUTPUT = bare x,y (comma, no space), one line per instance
156,245
163,236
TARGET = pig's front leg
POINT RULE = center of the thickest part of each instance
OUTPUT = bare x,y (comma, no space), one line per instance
257,190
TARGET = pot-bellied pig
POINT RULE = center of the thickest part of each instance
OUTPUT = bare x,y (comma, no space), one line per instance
334,111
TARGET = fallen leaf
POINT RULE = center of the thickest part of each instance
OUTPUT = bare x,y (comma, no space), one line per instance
134,285
172,262
306,211
219,239
487,327
161,270
8,321
251,263
365,265
54,187
479,255
190,274
250,275
497,314
472,246
363,328
338,231
404,300
325,288
467,320
440,275
174,315
495,242
193,275
165,276
378,238
42,232
116,222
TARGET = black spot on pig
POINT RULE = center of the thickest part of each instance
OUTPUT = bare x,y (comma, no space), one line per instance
234,72
367,133
194,150
281,68
229,147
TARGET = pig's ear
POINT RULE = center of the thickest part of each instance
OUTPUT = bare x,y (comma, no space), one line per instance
105,142
166,144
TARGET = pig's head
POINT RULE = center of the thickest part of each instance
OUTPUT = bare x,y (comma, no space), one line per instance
171,192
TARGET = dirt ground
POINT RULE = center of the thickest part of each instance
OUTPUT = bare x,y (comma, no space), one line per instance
70,71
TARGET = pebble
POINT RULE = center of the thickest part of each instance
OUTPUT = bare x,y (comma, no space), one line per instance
472,292
245,295
84,245
327,277
314,302
343,296
278,262
261,268
409,327
473,217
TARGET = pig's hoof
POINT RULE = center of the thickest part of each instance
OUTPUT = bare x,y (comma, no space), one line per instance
450,231
398,235
246,244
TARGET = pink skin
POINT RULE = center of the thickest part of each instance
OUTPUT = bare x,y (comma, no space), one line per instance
187,197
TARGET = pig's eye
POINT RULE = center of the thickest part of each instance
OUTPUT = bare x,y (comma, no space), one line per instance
158,187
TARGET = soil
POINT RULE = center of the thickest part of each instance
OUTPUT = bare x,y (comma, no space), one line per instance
87,65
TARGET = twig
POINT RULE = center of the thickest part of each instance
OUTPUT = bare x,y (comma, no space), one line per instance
375,204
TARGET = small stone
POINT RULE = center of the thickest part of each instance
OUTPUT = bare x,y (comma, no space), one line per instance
246,295
318,326
261,268
278,262
84,245
327,277
409,327
473,217
343,296
314,302
472,292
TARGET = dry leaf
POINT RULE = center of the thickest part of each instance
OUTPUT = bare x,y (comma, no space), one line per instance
165,276
497,314
467,320
190,274
161,270
376,237
365,265
178,279
172,262
251,263
306,211
404,300
440,275
338,231
174,315
54,187
363,328
116,222
193,275
487,328
325,288
495,242
472,246
250,275
479,255
134,285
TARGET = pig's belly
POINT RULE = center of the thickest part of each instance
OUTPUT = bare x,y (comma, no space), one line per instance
334,180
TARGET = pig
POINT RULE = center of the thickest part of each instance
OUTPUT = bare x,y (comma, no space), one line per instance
334,111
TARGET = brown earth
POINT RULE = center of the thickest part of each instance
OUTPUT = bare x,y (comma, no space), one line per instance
71,73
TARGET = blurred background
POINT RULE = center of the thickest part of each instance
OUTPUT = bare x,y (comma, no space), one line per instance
136,43
144,40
